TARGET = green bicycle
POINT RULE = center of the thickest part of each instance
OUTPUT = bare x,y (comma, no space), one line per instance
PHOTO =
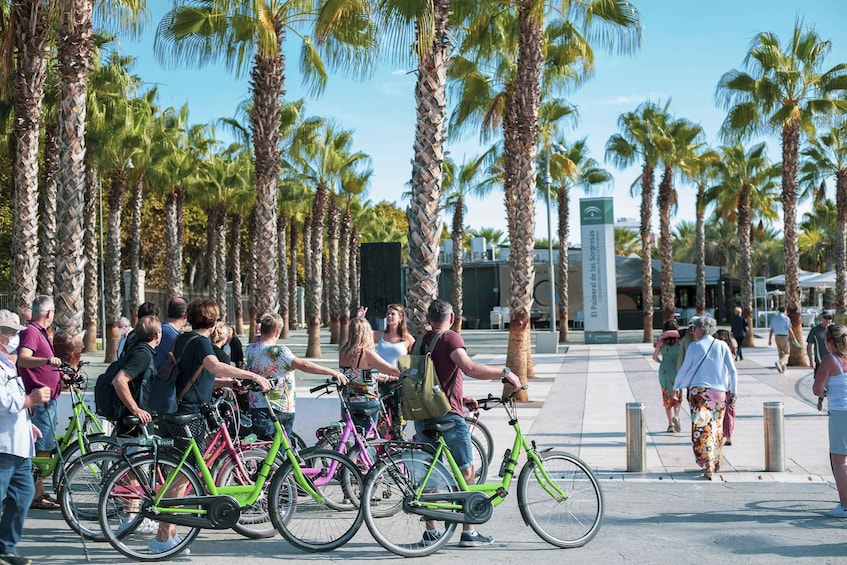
558,495
83,435
307,499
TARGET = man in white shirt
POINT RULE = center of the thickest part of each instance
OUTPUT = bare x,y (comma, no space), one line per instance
781,332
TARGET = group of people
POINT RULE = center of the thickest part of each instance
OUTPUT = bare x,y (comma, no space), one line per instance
702,363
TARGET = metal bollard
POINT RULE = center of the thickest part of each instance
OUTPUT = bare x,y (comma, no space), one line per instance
636,438
774,437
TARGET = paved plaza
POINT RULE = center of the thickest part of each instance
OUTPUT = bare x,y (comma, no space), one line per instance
667,514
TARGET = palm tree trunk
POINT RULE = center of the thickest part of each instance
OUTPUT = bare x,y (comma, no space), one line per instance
32,35
293,308
520,132
841,241
332,268
173,246
700,251
424,209
646,251
112,270
282,229
314,270
790,152
209,266
665,248
268,81
91,292
74,56
745,224
235,265
220,261
355,269
135,204
458,252
344,278
47,240
564,228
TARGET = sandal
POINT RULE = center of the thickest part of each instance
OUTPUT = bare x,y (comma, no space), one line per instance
43,504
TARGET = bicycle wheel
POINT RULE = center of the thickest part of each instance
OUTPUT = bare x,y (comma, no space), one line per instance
129,489
389,482
306,523
481,433
79,493
255,521
480,461
564,521
93,444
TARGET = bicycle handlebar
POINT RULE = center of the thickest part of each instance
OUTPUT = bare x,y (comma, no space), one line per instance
325,386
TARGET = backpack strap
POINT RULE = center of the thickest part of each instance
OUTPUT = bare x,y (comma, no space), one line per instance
194,377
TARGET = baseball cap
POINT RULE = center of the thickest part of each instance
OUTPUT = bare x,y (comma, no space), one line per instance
827,315
692,320
8,321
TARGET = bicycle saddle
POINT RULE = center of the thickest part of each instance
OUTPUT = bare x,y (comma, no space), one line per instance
364,411
179,419
439,427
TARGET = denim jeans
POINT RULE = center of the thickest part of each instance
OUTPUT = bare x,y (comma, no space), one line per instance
263,426
458,438
16,492
42,416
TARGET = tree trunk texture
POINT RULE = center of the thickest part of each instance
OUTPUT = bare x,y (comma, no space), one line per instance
293,307
282,229
220,261
745,225
32,36
355,270
841,241
74,57
344,278
252,312
112,270
458,253
173,245
564,231
334,299
91,252
520,132
235,266
209,266
314,268
267,86
790,152
135,203
646,251
665,248
424,211
47,240
700,252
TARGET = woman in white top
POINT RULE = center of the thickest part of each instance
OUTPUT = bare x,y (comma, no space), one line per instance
708,373
831,382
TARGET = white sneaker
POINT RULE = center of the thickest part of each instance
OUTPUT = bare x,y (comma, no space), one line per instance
147,526
157,546
838,512
779,367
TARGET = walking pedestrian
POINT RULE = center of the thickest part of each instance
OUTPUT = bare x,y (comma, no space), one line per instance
739,327
781,332
708,373
816,342
665,352
729,415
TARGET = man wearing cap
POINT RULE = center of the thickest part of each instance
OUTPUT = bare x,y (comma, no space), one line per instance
816,342
781,332
37,365
16,445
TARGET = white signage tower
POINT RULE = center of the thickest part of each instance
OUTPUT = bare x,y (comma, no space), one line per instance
599,285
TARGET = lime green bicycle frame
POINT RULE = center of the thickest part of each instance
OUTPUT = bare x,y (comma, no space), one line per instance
496,491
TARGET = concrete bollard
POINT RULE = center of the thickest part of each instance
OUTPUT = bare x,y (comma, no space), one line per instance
636,438
774,437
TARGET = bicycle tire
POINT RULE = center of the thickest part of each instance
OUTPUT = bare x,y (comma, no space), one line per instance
310,525
124,493
483,434
480,461
79,494
569,522
94,443
255,521
388,483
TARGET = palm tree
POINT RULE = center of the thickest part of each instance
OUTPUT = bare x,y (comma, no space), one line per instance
571,168
638,141
742,173
816,240
459,183
627,242
784,89
203,31
701,170
32,35
826,157
678,145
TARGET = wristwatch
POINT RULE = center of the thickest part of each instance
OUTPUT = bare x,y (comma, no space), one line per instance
506,372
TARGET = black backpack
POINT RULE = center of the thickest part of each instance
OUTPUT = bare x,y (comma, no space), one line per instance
163,397
106,400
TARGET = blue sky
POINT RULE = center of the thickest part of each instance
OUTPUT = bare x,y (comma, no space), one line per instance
687,45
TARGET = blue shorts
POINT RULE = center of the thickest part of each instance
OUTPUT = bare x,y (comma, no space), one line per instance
458,438
42,416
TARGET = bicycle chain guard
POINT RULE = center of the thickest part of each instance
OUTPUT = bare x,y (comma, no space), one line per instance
477,508
222,512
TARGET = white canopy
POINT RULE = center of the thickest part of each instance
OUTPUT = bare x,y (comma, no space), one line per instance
823,280
779,280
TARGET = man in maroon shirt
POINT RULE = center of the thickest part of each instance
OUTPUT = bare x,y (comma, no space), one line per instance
37,365
452,362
